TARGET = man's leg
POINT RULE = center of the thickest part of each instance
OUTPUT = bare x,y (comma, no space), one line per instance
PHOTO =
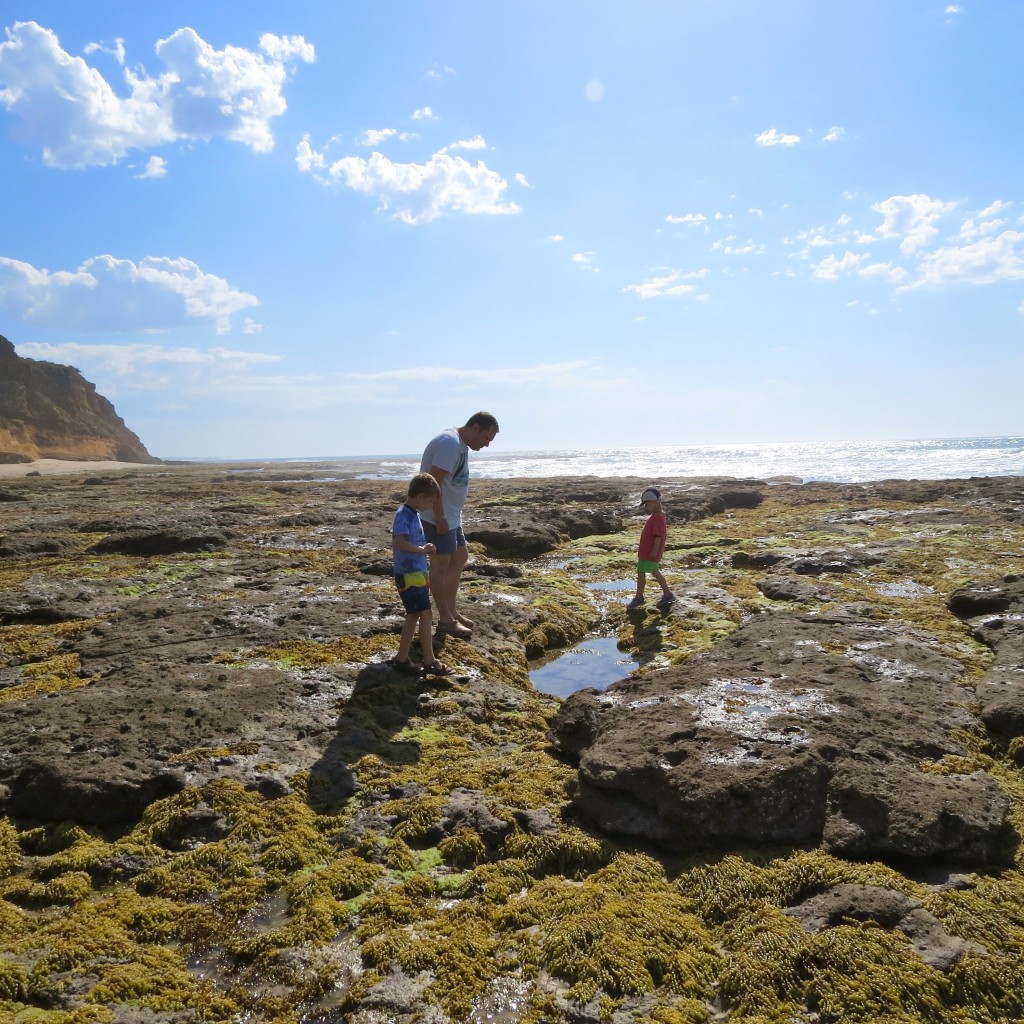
451,583
440,569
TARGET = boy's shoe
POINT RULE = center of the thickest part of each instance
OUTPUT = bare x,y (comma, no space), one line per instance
667,601
438,668
407,667
637,602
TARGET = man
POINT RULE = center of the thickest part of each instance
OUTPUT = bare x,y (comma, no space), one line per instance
446,459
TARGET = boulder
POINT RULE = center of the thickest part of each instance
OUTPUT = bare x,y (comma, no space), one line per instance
799,729
995,613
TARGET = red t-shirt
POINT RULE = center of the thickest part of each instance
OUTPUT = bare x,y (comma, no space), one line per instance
656,526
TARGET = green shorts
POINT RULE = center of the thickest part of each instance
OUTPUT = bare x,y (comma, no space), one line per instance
642,566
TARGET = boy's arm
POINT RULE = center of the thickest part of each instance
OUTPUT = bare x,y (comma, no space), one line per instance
401,542
658,541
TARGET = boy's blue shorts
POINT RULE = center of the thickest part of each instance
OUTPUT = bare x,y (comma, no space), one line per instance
414,590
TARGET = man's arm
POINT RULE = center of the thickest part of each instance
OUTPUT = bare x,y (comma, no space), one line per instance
440,475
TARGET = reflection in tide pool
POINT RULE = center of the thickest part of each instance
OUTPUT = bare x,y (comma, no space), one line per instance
596,662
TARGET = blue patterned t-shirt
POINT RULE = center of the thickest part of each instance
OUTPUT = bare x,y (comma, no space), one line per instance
407,524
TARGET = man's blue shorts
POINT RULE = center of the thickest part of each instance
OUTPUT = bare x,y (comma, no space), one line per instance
445,543
414,590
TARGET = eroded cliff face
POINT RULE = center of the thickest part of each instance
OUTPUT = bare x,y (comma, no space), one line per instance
50,411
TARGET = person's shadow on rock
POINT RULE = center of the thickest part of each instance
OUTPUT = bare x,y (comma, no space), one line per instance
380,707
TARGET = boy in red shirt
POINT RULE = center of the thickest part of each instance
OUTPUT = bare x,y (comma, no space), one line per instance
651,550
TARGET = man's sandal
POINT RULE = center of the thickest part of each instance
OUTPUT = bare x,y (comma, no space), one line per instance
454,628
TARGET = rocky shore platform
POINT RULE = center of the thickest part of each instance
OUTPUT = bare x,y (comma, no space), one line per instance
220,803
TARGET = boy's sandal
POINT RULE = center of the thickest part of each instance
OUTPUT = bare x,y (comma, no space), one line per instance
667,601
637,602
407,667
438,668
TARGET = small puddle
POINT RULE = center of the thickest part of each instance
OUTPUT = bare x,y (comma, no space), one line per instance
614,586
903,588
595,662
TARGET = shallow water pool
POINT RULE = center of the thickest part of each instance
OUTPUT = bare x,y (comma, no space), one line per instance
595,662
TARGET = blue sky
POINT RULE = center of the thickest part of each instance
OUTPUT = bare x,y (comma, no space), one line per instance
308,229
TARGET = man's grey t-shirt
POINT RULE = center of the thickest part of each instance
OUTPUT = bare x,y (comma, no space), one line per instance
449,452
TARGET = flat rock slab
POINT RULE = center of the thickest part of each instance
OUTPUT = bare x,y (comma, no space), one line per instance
799,729
995,612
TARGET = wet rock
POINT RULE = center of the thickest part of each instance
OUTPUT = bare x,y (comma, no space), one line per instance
798,729
756,559
160,542
467,808
780,587
831,562
201,825
27,547
889,909
536,821
995,612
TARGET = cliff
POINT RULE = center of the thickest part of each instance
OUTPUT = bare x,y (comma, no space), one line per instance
49,411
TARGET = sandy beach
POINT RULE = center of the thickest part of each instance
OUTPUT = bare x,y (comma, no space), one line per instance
54,467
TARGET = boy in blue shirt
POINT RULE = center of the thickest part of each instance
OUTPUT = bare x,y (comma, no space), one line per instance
410,550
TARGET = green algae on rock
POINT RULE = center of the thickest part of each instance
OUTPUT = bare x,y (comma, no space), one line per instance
348,845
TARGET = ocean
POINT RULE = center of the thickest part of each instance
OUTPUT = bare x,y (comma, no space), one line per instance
834,461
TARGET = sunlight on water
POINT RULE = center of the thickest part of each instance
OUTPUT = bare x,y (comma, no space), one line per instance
836,461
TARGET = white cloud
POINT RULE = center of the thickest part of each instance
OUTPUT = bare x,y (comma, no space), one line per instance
522,180
668,284
117,52
834,134
477,142
439,71
890,271
308,159
523,376
984,262
424,114
416,192
283,49
138,362
691,219
728,247
72,114
999,206
585,261
594,90
156,167
830,267
110,294
773,137
556,238
375,136
911,219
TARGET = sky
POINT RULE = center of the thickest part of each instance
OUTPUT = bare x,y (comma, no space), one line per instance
305,230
